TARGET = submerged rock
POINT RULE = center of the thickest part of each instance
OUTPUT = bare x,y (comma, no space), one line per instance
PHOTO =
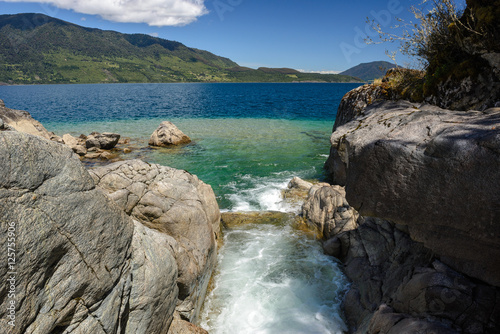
82,265
178,204
95,146
235,219
168,134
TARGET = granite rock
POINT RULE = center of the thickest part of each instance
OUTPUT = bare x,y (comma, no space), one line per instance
327,209
167,134
178,204
433,170
153,293
22,121
82,265
427,262
399,286
105,141
76,144
180,326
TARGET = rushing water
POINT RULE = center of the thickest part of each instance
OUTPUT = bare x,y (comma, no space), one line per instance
249,140
273,279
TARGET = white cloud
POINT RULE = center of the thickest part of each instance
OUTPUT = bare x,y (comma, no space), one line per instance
153,12
154,34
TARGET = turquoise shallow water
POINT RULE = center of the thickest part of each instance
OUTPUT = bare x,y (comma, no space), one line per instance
243,159
249,140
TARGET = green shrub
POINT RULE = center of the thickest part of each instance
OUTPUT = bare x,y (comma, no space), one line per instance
447,41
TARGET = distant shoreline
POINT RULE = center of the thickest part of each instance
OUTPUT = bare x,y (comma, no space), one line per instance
3,84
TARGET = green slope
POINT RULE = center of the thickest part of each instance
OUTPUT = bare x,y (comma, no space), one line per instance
369,71
35,48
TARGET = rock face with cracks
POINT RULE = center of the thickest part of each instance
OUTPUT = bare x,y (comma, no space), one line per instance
178,204
433,170
423,255
328,210
398,285
82,264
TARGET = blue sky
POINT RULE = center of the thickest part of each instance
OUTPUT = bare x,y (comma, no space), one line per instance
319,35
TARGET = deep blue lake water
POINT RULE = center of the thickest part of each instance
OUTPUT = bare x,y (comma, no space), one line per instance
111,102
249,140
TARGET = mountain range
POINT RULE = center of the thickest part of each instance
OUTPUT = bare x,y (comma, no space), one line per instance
39,49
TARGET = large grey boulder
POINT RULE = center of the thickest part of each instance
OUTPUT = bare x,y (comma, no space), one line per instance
177,203
433,170
80,265
167,134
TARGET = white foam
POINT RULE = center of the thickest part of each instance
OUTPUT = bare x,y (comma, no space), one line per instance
262,194
272,280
